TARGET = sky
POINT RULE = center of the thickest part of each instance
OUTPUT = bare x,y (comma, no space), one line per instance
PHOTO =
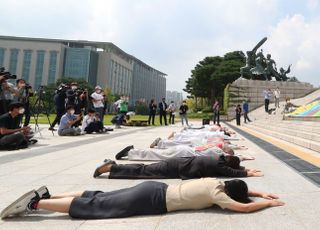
174,35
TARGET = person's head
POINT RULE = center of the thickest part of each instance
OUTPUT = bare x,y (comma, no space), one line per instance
238,106
91,112
172,102
163,100
70,109
74,85
268,56
228,150
237,190
98,89
152,101
232,162
184,102
20,83
16,108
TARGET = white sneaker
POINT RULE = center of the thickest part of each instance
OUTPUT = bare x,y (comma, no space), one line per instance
19,206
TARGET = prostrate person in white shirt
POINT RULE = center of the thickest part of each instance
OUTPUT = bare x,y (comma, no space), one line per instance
98,101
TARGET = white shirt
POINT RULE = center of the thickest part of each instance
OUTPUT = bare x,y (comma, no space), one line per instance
97,100
277,93
86,121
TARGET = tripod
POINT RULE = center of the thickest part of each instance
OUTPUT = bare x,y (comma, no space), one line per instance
40,107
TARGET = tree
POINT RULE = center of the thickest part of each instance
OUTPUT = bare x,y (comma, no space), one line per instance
211,75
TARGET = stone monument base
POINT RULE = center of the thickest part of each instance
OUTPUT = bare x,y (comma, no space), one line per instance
252,90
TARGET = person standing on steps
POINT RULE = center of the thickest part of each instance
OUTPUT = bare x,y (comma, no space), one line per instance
238,114
267,96
245,108
276,94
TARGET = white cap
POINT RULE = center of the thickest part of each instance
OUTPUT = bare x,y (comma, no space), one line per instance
98,87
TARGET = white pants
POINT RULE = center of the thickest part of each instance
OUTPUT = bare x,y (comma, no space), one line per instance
162,154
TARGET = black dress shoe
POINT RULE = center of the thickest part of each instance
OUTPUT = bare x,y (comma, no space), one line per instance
124,152
106,162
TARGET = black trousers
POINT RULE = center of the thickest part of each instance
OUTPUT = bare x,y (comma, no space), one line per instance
13,141
216,117
164,115
95,126
171,118
151,118
246,118
266,105
60,112
147,198
238,116
27,114
180,167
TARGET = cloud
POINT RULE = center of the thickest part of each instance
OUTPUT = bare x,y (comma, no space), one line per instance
295,40
174,35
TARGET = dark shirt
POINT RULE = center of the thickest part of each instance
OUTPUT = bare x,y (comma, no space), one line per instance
183,109
152,108
8,122
238,111
207,166
59,100
163,106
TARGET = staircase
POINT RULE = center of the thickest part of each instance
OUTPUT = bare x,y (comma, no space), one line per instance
302,133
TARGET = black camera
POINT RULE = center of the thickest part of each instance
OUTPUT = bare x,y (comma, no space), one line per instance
7,75
28,86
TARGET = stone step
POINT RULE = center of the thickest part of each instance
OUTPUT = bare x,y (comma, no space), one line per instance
309,144
297,125
291,131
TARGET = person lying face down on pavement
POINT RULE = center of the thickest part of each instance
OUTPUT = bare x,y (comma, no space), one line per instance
177,167
146,198
155,154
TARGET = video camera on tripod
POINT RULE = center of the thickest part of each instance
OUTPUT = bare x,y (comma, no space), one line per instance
7,75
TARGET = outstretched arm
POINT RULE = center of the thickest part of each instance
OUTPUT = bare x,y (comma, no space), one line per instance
254,206
265,195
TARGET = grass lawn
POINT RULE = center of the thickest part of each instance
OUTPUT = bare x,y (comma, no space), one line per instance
107,119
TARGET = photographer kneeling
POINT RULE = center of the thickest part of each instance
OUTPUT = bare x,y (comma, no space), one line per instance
12,136
67,121
92,123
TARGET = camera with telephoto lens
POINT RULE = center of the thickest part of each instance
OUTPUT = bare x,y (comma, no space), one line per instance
7,75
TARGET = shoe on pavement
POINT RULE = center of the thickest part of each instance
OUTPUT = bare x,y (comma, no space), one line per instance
124,152
106,162
44,192
22,205
155,142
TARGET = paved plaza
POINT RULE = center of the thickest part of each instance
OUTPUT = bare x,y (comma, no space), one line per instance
67,164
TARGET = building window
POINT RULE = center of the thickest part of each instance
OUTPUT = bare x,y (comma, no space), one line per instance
52,67
13,61
26,64
39,68
2,50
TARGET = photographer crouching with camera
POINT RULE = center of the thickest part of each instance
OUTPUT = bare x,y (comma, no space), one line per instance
12,135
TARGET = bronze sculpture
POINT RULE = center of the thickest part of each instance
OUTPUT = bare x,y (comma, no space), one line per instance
260,68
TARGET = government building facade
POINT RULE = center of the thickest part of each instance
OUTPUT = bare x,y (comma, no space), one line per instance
42,61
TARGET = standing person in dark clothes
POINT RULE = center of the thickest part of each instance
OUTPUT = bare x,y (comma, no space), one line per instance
183,112
163,111
238,114
180,167
152,111
146,198
245,107
59,102
216,112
